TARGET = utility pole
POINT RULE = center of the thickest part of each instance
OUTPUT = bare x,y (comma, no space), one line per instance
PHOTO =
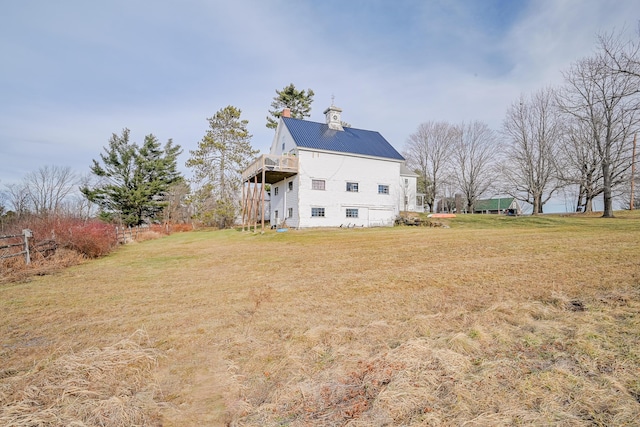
633,170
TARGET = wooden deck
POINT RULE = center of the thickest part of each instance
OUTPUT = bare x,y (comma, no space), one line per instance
266,169
270,168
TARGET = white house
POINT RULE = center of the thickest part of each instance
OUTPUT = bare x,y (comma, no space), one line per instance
324,175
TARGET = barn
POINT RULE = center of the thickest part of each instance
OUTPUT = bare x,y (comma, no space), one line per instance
328,175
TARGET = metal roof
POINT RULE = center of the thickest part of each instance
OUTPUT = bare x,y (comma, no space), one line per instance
319,136
493,204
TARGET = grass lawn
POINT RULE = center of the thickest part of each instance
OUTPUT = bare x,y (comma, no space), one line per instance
493,321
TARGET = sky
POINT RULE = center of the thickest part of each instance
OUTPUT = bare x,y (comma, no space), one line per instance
74,71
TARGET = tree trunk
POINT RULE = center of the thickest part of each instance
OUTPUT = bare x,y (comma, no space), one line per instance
580,193
537,204
607,193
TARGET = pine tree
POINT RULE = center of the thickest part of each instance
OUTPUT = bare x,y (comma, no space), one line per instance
298,101
133,180
222,154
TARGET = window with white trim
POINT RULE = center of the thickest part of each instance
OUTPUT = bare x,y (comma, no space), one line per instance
317,184
290,185
289,212
352,213
352,187
317,212
383,189
275,191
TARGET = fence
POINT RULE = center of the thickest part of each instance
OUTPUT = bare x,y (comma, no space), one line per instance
130,234
9,243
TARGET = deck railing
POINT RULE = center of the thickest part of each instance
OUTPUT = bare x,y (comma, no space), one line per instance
269,162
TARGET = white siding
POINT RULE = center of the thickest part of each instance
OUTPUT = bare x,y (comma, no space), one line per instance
283,142
407,193
283,201
336,170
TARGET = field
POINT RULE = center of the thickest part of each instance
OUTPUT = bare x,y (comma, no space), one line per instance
493,321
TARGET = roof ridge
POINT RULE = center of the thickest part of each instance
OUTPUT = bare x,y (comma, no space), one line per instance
324,124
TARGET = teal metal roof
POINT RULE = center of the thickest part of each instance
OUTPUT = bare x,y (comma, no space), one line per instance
493,204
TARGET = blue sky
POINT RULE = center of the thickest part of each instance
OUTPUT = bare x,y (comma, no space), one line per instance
75,71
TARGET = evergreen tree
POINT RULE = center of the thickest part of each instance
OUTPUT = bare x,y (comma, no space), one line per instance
133,180
222,154
298,101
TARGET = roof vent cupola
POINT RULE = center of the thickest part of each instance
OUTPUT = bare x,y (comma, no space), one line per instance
332,115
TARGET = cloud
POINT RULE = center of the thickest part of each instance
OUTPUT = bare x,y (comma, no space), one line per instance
79,71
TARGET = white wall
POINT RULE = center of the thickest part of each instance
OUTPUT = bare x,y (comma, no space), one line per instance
336,170
283,142
407,191
285,199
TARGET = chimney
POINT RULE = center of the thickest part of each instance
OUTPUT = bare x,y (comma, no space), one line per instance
286,113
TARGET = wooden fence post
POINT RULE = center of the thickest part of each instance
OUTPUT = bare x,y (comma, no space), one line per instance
27,234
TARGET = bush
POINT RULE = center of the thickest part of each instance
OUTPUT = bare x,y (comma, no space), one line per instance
91,238
179,228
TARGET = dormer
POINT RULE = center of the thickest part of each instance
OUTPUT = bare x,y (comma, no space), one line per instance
332,117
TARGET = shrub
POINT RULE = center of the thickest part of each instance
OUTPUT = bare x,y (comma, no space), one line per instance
92,238
72,237
179,228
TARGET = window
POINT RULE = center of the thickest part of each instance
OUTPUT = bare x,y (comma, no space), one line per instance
317,212
283,146
352,213
275,215
289,212
352,186
275,191
317,184
383,189
290,185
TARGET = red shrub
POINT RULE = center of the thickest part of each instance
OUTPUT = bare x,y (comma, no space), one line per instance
159,228
170,228
178,228
92,238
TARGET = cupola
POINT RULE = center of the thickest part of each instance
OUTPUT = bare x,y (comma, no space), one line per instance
332,116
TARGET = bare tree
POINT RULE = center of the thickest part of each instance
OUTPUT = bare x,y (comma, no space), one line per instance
578,164
176,209
48,187
3,199
605,101
533,131
428,151
625,197
623,56
17,199
474,156
79,205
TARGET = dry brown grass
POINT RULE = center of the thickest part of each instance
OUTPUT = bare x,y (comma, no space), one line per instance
110,387
16,270
519,321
